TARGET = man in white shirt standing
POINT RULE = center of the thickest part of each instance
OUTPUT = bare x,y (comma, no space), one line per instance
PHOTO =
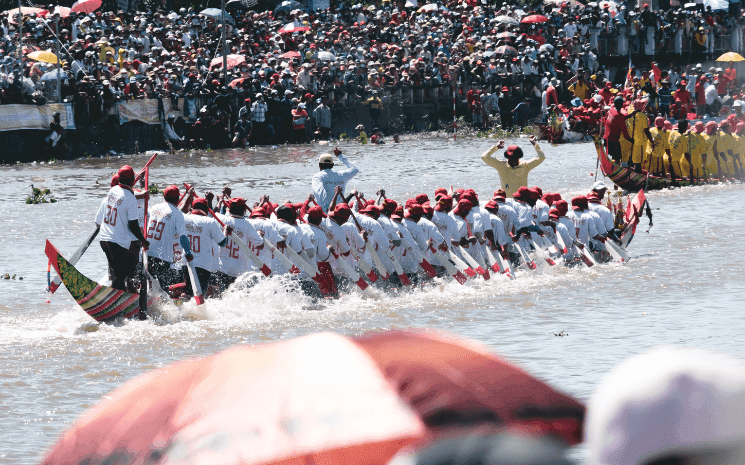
117,217
165,229
204,233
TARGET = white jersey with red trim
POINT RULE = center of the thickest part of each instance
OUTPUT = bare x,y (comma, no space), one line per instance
318,239
431,232
497,227
292,238
115,212
584,225
232,260
447,226
165,226
204,234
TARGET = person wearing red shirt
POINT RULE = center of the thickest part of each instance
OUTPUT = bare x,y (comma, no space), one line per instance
700,95
683,100
723,84
615,126
606,94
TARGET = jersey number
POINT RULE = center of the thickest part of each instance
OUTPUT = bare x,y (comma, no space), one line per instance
195,244
110,217
155,230
232,252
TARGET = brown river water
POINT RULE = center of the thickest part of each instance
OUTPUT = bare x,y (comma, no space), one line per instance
683,285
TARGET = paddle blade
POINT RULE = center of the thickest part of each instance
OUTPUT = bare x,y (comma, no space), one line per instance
550,261
486,275
199,299
470,272
481,271
460,277
362,283
372,276
53,287
495,268
265,269
428,268
531,265
404,279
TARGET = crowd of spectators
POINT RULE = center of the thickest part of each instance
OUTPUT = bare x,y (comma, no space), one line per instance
500,59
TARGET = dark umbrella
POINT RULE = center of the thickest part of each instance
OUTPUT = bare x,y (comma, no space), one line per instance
240,4
505,50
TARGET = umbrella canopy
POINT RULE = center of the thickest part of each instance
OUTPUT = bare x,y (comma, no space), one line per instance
292,54
546,48
86,6
505,50
288,6
506,35
326,56
731,56
241,4
235,82
315,399
427,8
25,10
488,53
216,13
43,55
503,19
233,61
448,381
63,11
52,76
293,27
534,19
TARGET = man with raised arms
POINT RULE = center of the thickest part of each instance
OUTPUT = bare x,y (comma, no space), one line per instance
513,173
325,183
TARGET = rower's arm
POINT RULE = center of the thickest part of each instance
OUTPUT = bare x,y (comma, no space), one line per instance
538,160
487,157
349,173
134,227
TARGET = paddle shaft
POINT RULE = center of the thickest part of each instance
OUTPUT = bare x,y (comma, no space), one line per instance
143,273
247,252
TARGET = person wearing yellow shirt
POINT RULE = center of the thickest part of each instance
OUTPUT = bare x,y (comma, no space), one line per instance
725,147
580,89
513,173
657,159
699,149
638,125
740,135
681,146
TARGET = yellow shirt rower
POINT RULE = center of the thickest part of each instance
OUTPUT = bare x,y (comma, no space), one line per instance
513,173
726,148
656,160
638,125
681,145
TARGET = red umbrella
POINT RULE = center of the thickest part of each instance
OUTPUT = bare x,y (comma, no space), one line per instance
291,55
534,19
454,382
315,399
25,10
233,61
235,82
505,50
86,6
296,26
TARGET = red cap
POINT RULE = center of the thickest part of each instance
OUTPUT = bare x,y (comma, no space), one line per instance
659,121
200,203
579,203
389,206
316,212
463,207
562,206
372,211
522,193
126,172
699,126
428,210
171,192
513,151
553,213
416,209
258,212
444,203
421,199
500,193
236,202
115,180
491,205
440,190
534,193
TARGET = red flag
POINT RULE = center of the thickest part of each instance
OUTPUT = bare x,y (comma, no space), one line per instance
635,209
656,73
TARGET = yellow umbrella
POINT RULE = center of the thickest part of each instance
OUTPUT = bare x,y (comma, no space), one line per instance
731,56
41,55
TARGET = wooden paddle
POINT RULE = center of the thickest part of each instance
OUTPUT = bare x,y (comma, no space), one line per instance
382,271
449,267
470,272
585,255
249,254
364,266
539,250
473,263
143,273
528,261
350,272
423,263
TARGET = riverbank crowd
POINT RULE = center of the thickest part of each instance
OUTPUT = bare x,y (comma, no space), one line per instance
289,66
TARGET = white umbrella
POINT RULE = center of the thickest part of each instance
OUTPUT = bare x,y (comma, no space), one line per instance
216,13
326,56
52,76
506,20
546,48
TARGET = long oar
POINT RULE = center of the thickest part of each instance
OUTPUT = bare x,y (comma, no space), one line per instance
585,255
449,267
75,257
504,265
350,272
463,266
397,266
617,252
382,271
247,252
287,263
423,263
144,171
528,261
561,242
539,250
491,259
548,244
473,263
195,285
143,274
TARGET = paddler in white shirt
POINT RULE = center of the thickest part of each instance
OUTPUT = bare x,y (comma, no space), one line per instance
118,219
166,227
233,262
204,234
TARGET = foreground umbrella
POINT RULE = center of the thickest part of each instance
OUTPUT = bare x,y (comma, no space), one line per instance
86,6
534,19
505,50
315,399
731,56
233,61
451,382
42,55
293,27
25,10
